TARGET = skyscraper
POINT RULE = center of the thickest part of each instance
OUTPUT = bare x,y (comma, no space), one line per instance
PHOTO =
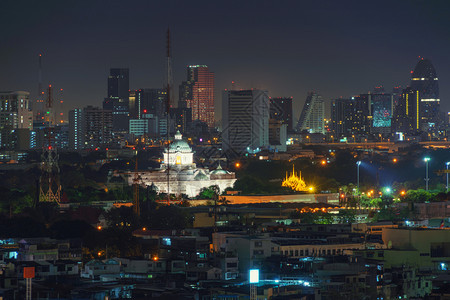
406,116
245,121
118,98
342,111
312,117
144,101
281,110
362,114
118,83
89,128
424,79
197,93
381,108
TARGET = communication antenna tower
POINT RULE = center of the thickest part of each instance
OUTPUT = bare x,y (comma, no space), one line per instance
39,105
49,185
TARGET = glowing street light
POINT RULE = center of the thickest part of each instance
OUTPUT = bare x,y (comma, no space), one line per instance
426,160
357,172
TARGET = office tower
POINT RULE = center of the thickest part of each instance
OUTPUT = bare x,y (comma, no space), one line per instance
118,98
312,117
90,128
245,121
342,111
16,120
351,116
118,83
381,108
281,110
406,116
424,79
197,93
152,101
362,115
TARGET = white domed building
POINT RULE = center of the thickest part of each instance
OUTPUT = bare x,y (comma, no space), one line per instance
184,176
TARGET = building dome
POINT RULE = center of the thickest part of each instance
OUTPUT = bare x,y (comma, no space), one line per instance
201,176
179,145
219,171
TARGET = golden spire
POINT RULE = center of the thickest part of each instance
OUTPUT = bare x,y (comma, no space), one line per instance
295,182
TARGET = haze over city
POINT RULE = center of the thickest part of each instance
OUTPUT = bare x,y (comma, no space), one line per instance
336,48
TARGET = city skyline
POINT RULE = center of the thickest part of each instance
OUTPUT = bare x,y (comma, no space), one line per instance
307,47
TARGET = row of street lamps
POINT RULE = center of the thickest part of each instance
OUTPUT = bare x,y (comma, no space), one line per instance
426,160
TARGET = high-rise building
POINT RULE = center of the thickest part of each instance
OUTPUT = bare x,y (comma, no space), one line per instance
281,110
342,111
197,93
76,129
406,116
381,107
424,79
351,116
312,117
362,114
144,101
245,121
89,128
15,111
118,98
16,120
118,83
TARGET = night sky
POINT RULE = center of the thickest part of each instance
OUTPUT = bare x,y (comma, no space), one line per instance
337,48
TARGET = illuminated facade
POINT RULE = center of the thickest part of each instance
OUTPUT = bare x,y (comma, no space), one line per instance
294,181
312,118
381,111
184,175
424,79
197,93
407,112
